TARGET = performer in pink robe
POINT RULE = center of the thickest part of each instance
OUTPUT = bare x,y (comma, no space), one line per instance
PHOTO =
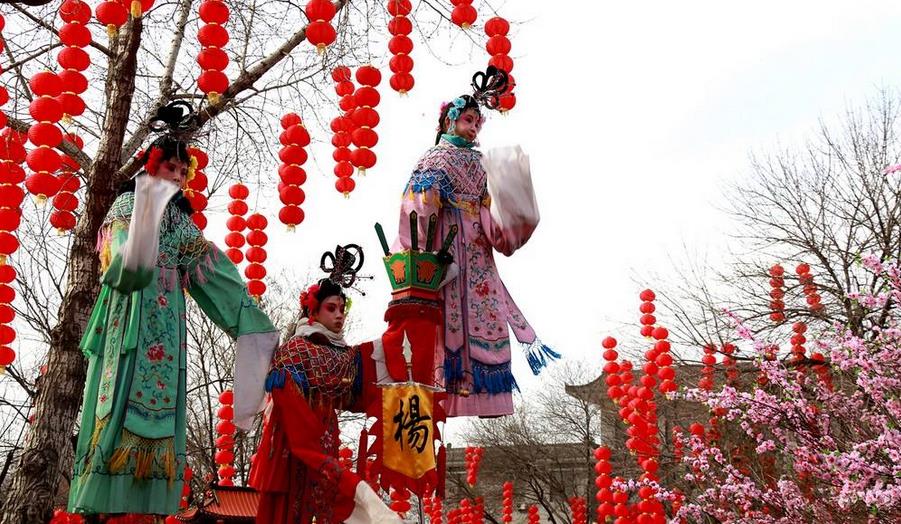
489,198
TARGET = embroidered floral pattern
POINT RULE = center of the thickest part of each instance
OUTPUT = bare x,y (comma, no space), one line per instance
155,353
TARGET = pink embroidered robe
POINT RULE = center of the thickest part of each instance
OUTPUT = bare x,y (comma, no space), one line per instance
451,182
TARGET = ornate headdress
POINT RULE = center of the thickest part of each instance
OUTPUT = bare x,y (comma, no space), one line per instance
342,267
176,122
487,88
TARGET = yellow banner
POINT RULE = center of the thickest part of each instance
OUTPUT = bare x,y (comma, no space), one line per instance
408,425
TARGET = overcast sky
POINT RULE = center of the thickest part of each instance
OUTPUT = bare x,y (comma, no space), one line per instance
636,115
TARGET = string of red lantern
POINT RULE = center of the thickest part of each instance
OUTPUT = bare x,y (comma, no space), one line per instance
319,31
534,516
186,490
498,46
365,118
577,507
400,501
12,154
196,184
477,515
732,371
44,161
453,516
234,239
707,371
400,46
342,127
465,511
797,341
65,202
437,513
294,138
507,503
777,293
256,255
473,458
75,36
212,59
810,288
464,14
225,444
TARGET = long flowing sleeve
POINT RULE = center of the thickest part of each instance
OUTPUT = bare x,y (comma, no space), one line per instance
135,255
512,214
219,291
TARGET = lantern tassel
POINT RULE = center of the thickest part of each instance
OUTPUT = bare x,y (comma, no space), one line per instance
136,11
112,30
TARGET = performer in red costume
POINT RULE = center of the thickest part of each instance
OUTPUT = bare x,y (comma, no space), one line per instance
313,374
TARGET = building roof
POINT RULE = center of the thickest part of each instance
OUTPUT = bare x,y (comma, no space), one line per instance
228,503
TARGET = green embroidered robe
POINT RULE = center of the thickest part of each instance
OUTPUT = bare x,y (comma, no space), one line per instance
130,456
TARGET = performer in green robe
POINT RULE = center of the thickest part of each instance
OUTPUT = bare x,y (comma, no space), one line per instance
130,456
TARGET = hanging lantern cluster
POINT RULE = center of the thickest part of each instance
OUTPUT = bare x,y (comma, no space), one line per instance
196,183
186,490
464,14
729,364
436,516
602,481
453,516
579,509
473,460
777,293
256,255
60,516
400,45
507,503
319,30
534,516
294,138
7,314
343,127
234,239
12,154
75,36
465,511
647,309
477,516
400,501
708,360
810,288
213,60
498,46
365,118
225,444
797,341
65,202
44,160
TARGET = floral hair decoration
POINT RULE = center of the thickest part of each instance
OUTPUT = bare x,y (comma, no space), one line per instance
454,112
309,301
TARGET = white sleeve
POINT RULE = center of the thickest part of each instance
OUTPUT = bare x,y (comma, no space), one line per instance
152,195
253,356
514,209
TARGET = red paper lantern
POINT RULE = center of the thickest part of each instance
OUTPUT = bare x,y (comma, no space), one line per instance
214,12
7,356
256,288
75,11
497,26
291,215
74,34
113,15
73,58
400,44
345,185
399,7
401,82
400,24
212,58
321,34
502,62
464,14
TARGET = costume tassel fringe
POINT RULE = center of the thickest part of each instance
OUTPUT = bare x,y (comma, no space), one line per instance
539,355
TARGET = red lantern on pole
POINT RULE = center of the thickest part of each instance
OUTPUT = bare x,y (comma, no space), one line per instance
225,454
236,224
294,138
401,64
364,137
507,503
256,239
498,47
213,36
75,35
319,30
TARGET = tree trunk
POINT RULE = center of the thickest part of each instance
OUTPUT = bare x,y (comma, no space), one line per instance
34,486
